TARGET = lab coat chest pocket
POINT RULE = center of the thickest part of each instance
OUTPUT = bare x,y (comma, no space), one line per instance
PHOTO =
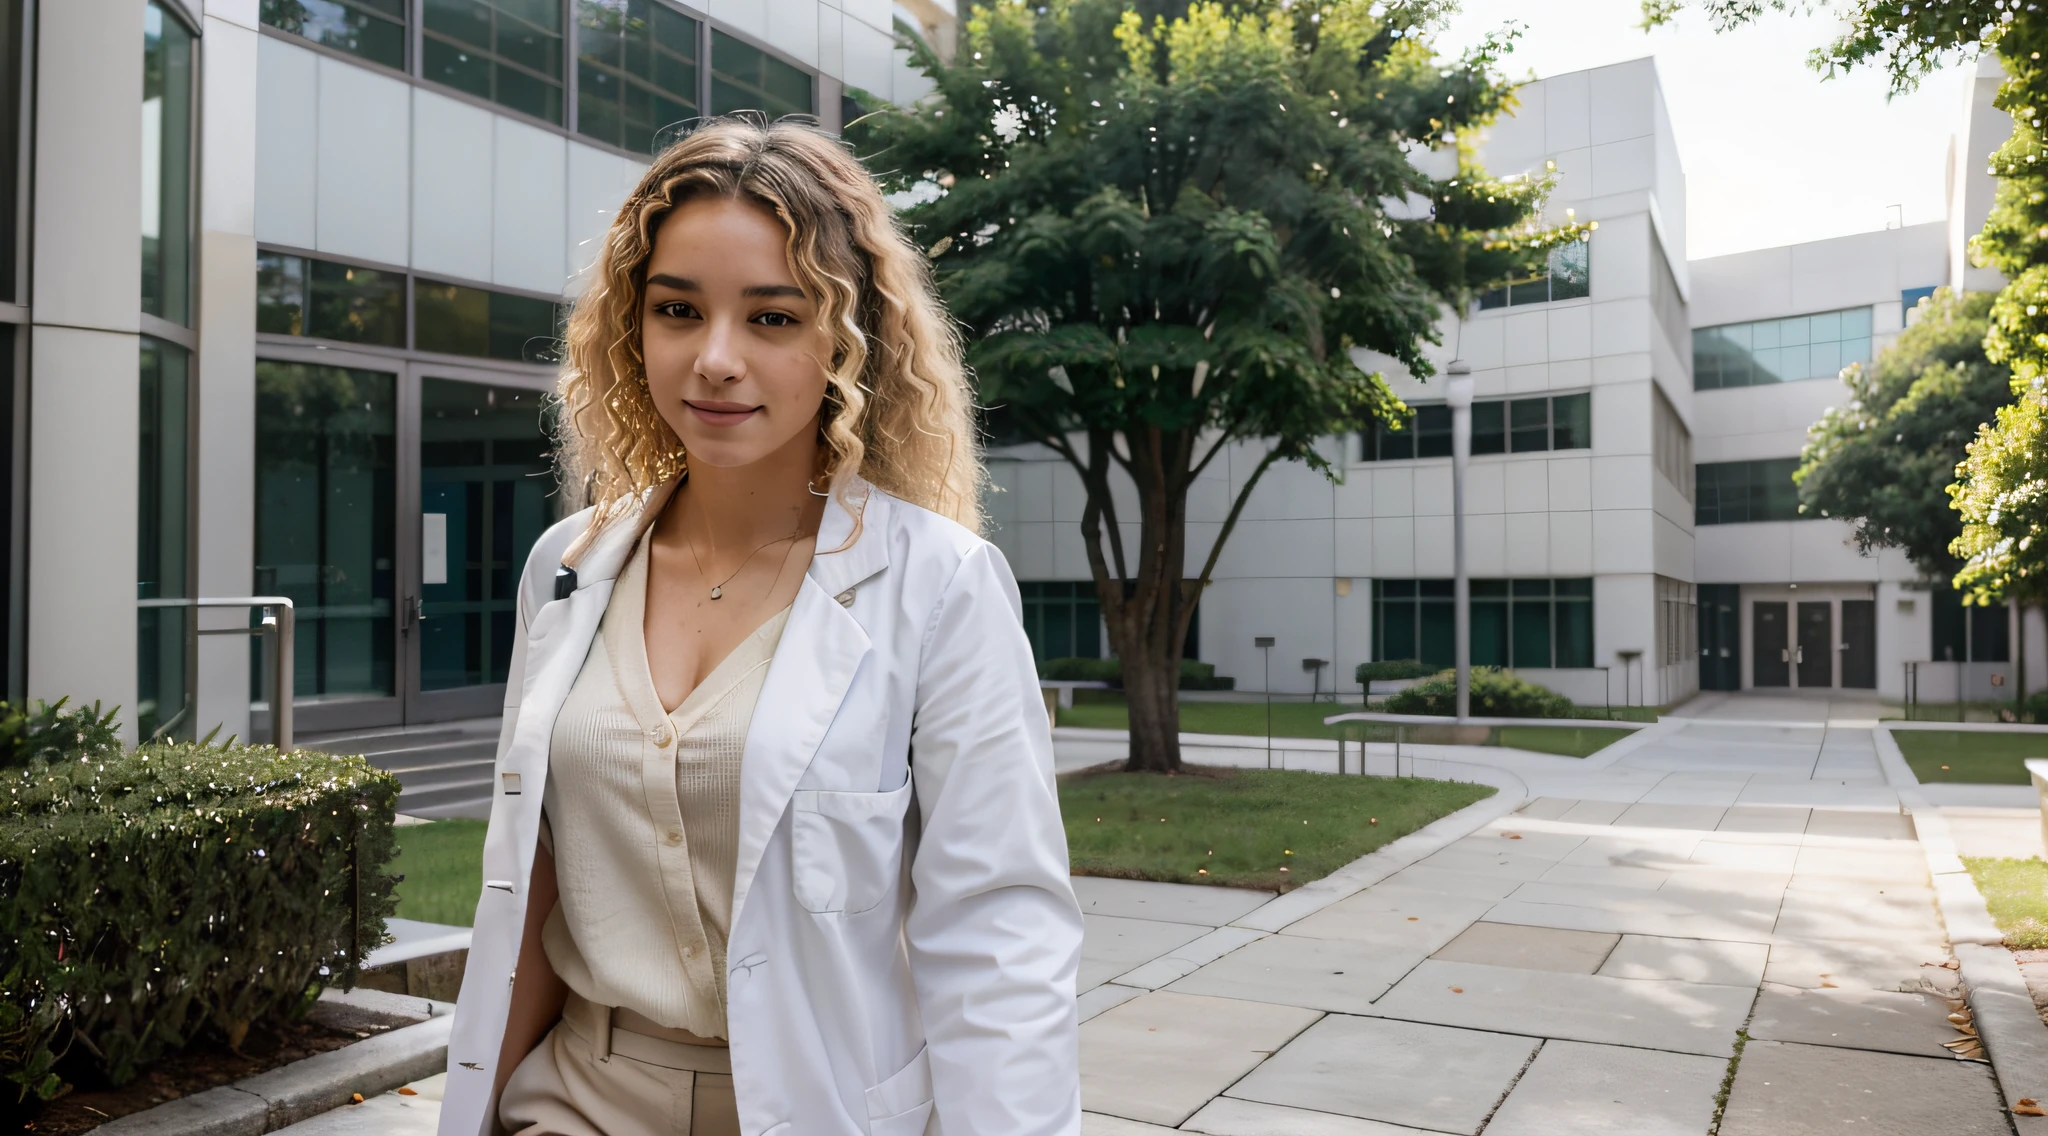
846,848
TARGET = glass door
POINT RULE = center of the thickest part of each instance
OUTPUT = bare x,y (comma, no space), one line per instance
479,490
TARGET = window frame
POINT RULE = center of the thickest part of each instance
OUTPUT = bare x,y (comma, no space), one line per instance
1369,441
1749,328
1509,597
1485,302
825,89
1751,491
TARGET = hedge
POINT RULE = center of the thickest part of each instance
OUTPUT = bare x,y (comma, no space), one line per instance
1194,675
1390,670
1495,694
176,892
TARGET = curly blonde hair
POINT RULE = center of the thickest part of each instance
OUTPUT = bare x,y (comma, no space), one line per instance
897,411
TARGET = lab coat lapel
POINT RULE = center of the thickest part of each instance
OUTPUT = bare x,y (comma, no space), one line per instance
821,650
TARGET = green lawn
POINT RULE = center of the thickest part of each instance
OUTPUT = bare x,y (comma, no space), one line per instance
1257,828
1105,710
2016,891
1970,757
443,866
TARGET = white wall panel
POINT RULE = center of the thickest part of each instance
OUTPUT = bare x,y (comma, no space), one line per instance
1621,100
1353,497
1621,419
1570,331
1571,544
874,13
1393,491
1480,342
365,121
599,182
1574,174
451,186
1622,540
1486,482
999,497
749,16
1528,379
1271,549
1622,327
1028,548
1526,547
1526,337
1393,547
1352,549
1433,489
1621,482
529,208
791,26
1433,550
1567,112
230,80
1485,538
1619,167
287,137
831,41
1570,484
867,58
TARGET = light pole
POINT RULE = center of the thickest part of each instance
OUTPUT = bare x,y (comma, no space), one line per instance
1265,645
1458,392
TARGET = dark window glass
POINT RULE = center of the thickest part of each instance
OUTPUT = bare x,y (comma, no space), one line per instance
1432,428
484,464
1489,428
10,139
507,51
166,166
1969,633
743,77
322,299
1529,424
1535,291
326,495
1571,422
1728,493
1786,350
1571,275
163,551
454,319
1493,298
1062,618
370,29
636,70
1520,623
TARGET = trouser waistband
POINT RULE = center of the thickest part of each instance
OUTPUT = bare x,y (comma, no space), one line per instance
610,1030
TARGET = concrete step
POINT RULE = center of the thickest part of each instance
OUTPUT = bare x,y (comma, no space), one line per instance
443,773
453,799
437,753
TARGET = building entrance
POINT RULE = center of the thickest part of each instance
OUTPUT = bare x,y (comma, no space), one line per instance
1809,639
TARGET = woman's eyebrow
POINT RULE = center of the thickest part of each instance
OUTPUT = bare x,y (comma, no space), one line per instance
773,290
679,283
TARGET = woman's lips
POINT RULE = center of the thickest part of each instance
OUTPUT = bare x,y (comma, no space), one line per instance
721,413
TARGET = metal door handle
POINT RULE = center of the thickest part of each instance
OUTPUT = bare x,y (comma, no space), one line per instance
410,613
1784,654
1799,655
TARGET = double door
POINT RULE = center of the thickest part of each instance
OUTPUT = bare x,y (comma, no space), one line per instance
1795,643
396,504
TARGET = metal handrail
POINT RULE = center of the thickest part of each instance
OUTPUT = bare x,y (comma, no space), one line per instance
277,624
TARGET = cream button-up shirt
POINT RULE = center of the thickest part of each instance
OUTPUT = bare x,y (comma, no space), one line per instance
643,810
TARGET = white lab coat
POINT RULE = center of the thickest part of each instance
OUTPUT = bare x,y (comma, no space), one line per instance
890,972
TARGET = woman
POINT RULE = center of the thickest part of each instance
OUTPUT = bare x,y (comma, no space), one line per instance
774,772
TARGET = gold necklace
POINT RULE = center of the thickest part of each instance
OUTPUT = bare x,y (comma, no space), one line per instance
718,589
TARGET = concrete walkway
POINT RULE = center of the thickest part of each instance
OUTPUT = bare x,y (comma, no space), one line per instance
1589,963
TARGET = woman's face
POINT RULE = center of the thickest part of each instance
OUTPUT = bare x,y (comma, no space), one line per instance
736,354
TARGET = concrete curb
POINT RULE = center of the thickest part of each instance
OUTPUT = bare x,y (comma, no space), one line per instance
325,1081
1380,863
1649,735
2000,1004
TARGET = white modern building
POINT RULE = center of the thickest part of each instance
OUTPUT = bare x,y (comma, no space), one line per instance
1632,523
315,366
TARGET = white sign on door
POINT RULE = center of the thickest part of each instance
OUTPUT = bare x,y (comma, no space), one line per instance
433,548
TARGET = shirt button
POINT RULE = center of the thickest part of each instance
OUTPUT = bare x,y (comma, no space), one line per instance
660,735
675,836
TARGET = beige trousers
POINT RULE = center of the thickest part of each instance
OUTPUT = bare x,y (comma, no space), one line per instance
593,1076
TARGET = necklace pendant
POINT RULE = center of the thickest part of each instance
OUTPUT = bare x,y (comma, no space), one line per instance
716,592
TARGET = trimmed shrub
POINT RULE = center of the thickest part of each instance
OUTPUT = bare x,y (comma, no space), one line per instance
1495,694
1390,670
1194,675
152,898
47,732
2035,708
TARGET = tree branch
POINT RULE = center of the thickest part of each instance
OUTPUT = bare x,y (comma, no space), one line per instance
1229,523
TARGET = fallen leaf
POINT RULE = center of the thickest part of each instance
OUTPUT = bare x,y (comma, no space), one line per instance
1414,918
1510,836
1457,989
2028,1106
1829,986
1201,871
1372,820
407,1091
356,1098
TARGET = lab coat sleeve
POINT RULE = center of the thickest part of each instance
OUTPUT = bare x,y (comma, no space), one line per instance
994,933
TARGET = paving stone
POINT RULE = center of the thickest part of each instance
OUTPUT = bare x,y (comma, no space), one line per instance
1172,903
1105,996
1398,1072
1464,885
1850,910
1885,1020
1533,948
387,1114
1160,1057
1640,850
1640,879
1871,964
1906,864
1111,945
1683,1017
1321,974
1225,1116
1746,856
1760,818
1547,808
1507,834
1393,919
1595,812
1100,1124
1716,962
1687,816
1189,957
1579,1089
223,1111
1873,826
1786,1089
1489,861
325,1081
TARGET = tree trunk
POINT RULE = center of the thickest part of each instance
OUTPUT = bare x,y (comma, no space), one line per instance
1153,694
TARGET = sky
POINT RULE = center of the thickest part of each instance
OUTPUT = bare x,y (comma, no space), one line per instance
1773,154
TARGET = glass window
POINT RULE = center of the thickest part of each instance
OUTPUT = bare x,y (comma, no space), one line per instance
1529,424
321,299
10,139
1568,276
326,495
484,476
1062,618
454,319
743,77
162,548
1788,350
166,166
1489,428
1738,492
1520,623
507,51
1571,422
1432,431
636,70
370,29
1973,633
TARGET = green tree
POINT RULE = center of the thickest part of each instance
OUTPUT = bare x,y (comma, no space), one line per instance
1166,226
1886,459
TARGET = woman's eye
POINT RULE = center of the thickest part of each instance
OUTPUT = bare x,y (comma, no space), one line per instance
676,309
775,319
